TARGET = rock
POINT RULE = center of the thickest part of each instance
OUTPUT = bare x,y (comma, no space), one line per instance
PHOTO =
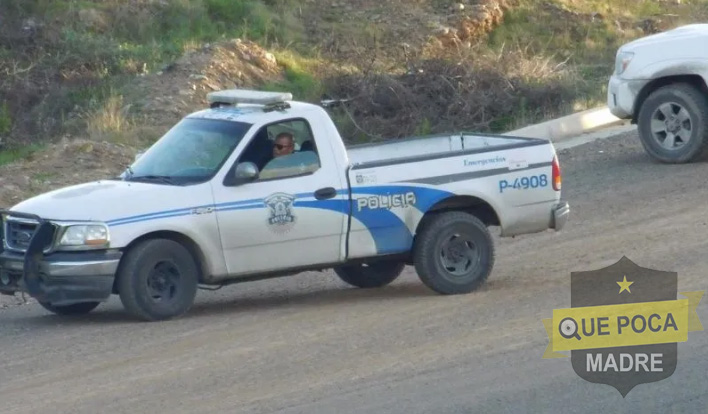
269,57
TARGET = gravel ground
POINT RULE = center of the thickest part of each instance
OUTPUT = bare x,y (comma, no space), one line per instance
310,344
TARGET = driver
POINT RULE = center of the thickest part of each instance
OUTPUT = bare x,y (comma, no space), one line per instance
284,144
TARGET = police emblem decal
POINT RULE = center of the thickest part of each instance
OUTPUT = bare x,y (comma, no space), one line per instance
280,208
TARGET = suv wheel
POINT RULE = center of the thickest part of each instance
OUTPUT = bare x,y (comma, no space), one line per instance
673,124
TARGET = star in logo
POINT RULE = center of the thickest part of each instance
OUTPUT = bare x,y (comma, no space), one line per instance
624,285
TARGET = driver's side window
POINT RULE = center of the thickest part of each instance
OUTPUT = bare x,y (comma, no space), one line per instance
281,150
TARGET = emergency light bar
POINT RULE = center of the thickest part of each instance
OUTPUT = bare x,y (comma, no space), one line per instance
247,96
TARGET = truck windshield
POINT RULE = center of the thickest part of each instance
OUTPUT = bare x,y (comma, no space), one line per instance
191,151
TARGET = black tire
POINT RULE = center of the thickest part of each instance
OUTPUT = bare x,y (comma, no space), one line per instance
73,309
433,260
694,129
176,279
371,275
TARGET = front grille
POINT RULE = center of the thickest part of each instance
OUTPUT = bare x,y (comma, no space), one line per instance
18,233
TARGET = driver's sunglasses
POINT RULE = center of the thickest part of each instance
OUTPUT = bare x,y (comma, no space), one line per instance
281,146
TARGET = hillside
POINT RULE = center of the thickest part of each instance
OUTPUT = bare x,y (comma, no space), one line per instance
85,83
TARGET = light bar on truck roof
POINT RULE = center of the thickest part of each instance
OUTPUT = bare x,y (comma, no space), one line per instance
247,96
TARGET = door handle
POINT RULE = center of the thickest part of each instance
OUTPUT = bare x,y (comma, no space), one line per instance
325,193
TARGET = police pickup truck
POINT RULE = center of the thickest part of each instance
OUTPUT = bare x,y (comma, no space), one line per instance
259,186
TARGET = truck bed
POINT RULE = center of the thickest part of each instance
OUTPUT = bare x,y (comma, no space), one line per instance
394,184
434,145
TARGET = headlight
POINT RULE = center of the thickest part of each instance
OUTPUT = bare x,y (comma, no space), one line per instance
85,235
622,61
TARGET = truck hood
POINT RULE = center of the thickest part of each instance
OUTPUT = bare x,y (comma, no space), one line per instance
682,33
106,200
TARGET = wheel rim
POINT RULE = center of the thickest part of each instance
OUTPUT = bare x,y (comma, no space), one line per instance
671,126
459,255
163,282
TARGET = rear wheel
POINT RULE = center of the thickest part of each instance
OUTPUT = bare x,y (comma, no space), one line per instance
673,124
453,253
158,280
73,309
371,275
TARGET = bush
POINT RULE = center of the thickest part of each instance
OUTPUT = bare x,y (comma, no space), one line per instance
442,96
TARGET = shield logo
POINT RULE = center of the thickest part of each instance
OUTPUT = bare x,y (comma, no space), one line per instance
280,208
623,325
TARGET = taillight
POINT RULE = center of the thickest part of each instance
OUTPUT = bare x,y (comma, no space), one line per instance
556,179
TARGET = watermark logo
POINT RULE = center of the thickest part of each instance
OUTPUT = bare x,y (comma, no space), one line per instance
623,325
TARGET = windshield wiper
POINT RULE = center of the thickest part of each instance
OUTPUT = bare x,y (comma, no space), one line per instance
161,178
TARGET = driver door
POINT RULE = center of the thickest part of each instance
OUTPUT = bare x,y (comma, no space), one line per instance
293,215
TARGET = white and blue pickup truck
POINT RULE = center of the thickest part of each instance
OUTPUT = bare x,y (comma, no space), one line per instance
259,186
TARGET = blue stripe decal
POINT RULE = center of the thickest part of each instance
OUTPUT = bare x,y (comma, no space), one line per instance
159,213
117,223
390,233
340,206
425,197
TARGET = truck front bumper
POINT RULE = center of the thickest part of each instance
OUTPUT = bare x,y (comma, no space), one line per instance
560,215
60,278
622,94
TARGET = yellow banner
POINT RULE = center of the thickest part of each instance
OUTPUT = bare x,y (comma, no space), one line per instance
608,326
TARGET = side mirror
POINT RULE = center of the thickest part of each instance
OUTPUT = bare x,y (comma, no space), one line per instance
245,171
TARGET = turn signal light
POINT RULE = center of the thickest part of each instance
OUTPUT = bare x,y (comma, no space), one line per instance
556,174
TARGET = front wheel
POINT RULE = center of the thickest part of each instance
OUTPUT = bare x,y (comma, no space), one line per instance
73,309
673,124
453,253
158,280
371,275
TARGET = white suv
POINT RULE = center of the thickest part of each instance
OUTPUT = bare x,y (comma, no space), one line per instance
659,83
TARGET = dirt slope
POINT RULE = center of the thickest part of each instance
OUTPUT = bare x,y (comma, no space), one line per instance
181,87
156,102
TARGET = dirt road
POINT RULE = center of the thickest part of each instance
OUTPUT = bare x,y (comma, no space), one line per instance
310,344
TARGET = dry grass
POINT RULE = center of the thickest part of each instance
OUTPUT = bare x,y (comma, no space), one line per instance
110,121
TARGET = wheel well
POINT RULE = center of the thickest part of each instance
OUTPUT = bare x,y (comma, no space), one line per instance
180,238
693,80
469,204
